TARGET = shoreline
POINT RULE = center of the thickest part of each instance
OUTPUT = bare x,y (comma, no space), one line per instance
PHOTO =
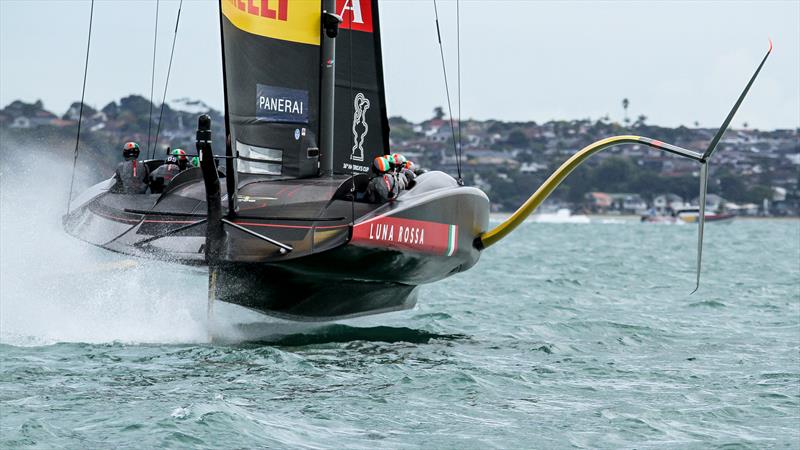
635,217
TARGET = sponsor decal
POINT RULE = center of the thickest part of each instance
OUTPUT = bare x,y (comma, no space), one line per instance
278,104
407,234
355,167
360,127
356,14
262,8
297,134
295,21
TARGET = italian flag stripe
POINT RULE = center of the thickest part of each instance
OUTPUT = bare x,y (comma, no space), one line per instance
452,240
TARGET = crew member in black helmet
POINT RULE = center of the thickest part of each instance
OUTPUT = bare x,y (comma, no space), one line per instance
131,174
164,173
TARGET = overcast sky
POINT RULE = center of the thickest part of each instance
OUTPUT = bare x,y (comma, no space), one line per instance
677,62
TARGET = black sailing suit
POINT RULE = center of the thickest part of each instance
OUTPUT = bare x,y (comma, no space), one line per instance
382,188
163,174
132,177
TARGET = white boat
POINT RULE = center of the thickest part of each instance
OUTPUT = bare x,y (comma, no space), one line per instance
563,215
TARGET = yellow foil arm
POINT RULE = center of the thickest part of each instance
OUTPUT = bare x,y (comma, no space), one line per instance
499,232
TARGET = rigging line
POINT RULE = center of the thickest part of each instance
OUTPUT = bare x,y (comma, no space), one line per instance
152,83
80,113
458,89
350,69
169,69
447,90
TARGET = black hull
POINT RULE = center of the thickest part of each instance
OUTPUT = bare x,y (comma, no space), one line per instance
347,259
290,292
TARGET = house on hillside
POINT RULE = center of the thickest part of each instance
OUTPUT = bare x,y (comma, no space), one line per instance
28,115
61,123
598,202
714,202
532,167
628,203
37,119
21,122
666,204
74,112
440,134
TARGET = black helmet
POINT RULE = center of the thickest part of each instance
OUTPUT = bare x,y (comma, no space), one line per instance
130,150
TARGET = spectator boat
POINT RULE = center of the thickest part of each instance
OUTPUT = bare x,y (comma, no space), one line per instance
690,215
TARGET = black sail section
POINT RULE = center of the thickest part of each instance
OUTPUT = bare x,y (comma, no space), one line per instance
361,127
271,59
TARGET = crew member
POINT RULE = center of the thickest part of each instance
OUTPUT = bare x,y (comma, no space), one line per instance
131,174
165,173
183,161
408,172
396,162
417,170
383,186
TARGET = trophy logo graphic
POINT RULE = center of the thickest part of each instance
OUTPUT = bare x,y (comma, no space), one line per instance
360,127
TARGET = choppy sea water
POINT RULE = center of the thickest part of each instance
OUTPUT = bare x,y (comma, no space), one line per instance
565,335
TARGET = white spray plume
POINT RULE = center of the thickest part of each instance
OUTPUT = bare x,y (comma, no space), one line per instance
55,288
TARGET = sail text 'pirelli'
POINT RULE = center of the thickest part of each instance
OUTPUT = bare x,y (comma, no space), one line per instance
274,9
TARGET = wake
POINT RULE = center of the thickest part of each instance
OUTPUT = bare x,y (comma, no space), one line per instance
54,288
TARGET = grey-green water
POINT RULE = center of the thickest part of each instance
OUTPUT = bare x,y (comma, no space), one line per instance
562,336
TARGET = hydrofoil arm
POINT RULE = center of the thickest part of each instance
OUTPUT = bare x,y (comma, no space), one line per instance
499,232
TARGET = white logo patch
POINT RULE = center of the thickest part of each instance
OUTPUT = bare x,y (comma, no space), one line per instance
361,105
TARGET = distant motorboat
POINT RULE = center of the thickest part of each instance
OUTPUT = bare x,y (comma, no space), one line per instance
689,216
563,215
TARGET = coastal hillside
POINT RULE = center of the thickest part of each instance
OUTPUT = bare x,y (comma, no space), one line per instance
755,172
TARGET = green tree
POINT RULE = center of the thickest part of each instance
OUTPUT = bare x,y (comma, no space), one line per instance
758,193
525,157
731,186
577,184
517,139
438,113
625,104
497,127
614,174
